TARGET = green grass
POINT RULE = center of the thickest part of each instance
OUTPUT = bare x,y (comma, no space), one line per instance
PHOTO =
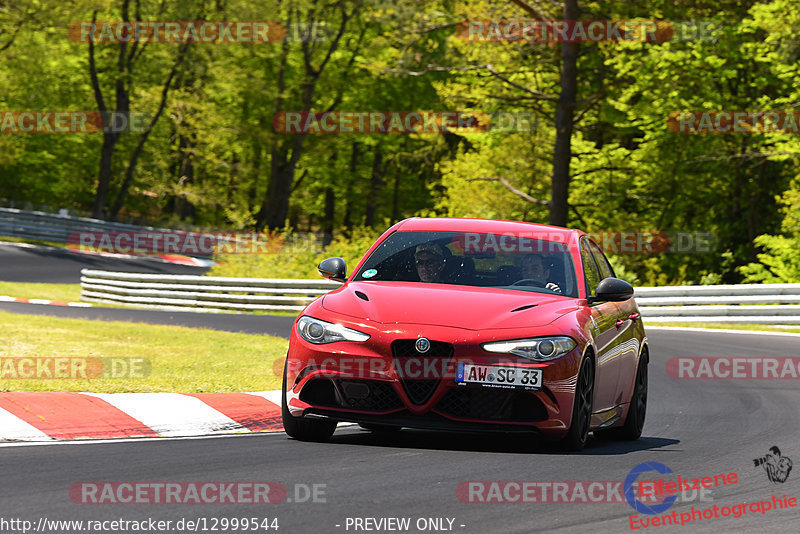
64,292
182,360
762,327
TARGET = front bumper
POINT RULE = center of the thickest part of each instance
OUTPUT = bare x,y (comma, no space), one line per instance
384,381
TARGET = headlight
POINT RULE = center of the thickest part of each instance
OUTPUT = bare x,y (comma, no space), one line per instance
319,332
539,349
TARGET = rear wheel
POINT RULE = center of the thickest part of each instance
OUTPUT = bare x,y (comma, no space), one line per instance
575,439
303,429
634,421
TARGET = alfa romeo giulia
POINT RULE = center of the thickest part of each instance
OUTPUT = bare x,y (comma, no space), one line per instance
471,325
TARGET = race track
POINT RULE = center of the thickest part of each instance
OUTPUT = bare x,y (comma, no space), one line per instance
60,266
696,427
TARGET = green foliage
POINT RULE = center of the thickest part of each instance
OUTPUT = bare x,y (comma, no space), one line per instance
214,154
780,260
298,256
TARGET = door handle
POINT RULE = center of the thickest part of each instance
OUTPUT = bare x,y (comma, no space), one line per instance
633,316
619,322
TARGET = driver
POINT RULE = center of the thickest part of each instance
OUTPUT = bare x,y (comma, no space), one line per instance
429,259
534,267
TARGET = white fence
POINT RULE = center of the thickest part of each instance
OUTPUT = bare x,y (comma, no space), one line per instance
208,293
746,303
743,303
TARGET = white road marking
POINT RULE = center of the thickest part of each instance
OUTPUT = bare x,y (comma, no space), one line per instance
272,396
172,414
12,427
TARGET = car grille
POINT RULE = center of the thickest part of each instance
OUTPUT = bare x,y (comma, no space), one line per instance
382,396
492,405
374,395
420,390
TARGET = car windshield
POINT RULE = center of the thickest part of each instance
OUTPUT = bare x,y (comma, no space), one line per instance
473,259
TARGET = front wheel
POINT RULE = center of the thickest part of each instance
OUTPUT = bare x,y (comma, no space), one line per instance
575,439
303,429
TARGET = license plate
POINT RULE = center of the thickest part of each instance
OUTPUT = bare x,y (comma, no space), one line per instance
496,376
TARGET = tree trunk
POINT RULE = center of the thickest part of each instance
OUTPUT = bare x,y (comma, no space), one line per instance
103,175
330,206
565,111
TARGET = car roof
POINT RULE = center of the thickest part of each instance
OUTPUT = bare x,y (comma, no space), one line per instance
492,226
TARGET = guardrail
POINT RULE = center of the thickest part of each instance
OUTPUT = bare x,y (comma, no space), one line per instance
742,303
55,227
209,293
58,227
746,303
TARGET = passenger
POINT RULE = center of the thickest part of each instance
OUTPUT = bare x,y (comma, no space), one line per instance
535,268
429,259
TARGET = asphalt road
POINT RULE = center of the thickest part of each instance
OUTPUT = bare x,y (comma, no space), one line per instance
60,266
696,427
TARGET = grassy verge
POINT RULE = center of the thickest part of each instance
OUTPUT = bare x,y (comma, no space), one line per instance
727,326
72,293
182,360
65,292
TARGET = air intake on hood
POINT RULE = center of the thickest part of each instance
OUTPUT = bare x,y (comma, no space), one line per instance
524,307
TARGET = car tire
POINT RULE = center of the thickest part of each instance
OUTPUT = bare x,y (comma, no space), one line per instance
303,429
634,421
376,427
576,438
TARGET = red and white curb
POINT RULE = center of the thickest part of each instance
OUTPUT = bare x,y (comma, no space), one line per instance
51,416
165,258
161,258
46,302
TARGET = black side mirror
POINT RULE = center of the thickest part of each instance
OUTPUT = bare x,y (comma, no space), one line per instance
334,269
612,290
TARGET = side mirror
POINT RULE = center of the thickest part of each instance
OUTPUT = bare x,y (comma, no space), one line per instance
335,269
613,290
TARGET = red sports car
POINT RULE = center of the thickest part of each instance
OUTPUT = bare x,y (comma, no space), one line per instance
468,324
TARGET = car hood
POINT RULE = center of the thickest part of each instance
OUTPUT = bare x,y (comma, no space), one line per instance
473,308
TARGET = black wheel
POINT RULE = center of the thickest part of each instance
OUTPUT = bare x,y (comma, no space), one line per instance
634,421
303,429
575,440
375,427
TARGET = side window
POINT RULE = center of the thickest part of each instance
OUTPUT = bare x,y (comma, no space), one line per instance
601,260
589,268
